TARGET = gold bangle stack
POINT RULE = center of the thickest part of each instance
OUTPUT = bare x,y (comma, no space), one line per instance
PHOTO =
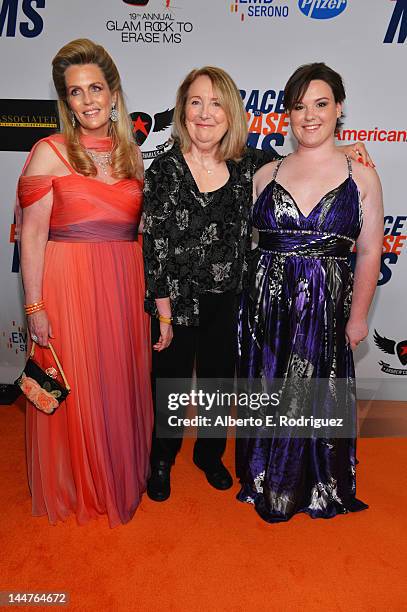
34,307
163,319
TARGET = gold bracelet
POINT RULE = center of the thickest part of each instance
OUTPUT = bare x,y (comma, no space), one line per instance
163,319
34,307
34,304
30,312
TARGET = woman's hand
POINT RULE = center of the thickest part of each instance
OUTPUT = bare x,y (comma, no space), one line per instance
358,152
166,335
356,331
39,327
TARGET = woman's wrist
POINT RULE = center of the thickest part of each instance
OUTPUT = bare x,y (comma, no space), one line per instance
163,306
358,317
164,319
34,307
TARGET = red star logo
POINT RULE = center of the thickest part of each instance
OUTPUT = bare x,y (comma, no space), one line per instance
403,351
140,126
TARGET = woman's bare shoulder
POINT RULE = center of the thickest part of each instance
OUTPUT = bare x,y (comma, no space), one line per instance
43,160
264,176
366,178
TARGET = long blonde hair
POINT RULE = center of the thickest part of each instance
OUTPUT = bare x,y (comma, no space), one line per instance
233,143
126,157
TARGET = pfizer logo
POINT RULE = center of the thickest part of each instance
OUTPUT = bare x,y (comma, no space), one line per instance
322,9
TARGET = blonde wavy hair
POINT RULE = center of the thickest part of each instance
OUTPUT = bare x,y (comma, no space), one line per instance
233,143
126,157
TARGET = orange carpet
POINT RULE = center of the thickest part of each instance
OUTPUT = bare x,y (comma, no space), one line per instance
202,550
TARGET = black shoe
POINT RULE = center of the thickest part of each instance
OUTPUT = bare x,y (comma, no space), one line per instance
217,476
159,483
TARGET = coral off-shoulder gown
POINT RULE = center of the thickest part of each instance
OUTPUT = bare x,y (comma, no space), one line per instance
91,457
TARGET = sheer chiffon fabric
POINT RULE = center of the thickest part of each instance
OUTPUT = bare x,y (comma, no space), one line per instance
92,456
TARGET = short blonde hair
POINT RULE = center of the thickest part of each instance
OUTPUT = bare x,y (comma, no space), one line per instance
233,143
126,157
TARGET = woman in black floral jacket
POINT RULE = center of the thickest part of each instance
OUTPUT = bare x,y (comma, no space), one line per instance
197,199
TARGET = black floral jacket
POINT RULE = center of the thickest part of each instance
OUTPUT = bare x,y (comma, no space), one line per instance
195,242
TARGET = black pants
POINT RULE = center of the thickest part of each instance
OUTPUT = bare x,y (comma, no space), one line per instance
212,347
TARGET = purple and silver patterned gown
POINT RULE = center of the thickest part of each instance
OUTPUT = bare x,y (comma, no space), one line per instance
292,325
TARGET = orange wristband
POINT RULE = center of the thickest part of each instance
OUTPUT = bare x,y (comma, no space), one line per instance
34,307
163,319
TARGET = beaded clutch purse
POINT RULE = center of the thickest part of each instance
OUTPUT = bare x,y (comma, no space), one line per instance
40,386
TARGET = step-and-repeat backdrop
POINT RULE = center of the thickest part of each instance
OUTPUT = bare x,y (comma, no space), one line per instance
259,42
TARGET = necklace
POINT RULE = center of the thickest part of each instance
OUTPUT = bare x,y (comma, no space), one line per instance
207,170
203,167
101,159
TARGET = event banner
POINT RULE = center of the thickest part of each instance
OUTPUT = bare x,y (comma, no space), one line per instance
155,43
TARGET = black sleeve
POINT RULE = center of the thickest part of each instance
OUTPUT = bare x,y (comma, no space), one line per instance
161,189
259,158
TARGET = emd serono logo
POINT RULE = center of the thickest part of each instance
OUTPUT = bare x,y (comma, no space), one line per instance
260,8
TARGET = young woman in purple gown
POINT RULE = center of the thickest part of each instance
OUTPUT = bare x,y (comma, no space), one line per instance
298,317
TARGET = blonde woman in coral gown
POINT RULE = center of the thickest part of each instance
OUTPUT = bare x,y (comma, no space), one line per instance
81,195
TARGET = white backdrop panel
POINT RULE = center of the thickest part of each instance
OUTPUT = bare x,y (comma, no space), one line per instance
260,53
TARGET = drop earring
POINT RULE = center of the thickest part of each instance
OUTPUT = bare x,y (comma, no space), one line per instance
73,120
114,113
